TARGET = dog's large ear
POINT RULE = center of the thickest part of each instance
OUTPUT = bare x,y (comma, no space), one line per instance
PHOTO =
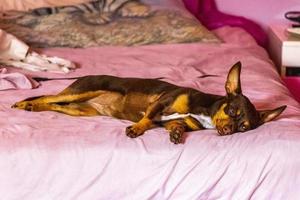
268,115
233,83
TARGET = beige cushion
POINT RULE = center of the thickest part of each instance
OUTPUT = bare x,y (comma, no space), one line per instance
168,22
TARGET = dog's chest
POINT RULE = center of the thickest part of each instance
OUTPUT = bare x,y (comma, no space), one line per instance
204,120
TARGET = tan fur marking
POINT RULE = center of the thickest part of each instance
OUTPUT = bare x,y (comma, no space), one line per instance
246,123
174,124
143,125
107,103
68,97
145,122
74,109
220,118
180,104
155,97
139,100
192,123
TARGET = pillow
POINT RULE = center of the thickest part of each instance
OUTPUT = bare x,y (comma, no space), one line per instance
23,5
123,23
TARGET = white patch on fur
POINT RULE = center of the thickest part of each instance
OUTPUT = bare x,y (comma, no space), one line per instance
205,120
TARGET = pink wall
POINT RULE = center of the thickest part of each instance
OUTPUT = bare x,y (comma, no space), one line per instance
261,11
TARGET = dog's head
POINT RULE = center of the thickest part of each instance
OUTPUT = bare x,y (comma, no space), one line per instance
237,113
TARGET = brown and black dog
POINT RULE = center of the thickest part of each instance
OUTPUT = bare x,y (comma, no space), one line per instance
152,102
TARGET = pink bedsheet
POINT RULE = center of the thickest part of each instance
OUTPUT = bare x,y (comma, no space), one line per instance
49,155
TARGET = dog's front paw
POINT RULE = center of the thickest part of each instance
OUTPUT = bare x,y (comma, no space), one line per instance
23,105
176,134
134,131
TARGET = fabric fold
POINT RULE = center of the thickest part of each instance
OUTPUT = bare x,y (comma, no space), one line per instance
14,52
15,80
11,47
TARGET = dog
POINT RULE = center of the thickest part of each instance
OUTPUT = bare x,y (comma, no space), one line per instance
151,103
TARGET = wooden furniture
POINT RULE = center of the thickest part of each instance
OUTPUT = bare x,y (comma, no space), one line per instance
284,49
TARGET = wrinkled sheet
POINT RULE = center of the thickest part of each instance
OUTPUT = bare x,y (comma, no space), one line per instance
49,155
14,52
14,81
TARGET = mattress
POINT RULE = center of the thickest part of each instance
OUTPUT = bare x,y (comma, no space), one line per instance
48,155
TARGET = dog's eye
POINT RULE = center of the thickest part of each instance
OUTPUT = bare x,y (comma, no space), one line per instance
243,127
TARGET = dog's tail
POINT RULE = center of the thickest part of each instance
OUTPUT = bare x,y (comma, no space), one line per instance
41,79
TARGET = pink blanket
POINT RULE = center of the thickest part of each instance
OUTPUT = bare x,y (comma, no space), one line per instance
49,155
13,81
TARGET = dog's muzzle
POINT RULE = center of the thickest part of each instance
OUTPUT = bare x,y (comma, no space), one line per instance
225,130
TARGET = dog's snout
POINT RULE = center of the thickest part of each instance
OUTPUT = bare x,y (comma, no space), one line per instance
227,129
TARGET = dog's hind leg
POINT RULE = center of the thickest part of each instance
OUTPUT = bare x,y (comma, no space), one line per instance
74,109
67,98
147,122
60,98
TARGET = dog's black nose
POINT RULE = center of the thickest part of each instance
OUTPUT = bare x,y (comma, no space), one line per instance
227,129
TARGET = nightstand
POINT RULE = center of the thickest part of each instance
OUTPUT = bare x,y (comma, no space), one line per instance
284,50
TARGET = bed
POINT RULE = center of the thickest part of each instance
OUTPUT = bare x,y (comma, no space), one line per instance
48,155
